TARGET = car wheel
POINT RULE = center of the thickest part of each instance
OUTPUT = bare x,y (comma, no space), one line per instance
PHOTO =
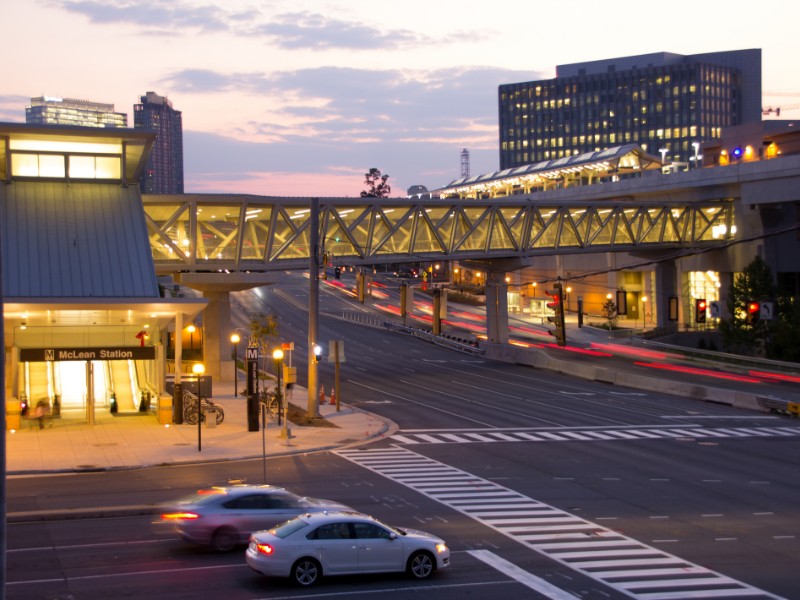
306,572
224,539
420,565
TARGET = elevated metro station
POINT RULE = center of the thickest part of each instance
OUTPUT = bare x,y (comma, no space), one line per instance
86,321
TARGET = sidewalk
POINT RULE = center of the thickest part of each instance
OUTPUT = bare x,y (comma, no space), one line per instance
137,441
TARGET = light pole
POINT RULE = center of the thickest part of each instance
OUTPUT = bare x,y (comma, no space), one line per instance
235,340
569,291
198,369
191,329
644,310
277,356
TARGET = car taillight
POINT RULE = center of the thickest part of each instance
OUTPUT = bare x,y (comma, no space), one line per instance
179,516
265,548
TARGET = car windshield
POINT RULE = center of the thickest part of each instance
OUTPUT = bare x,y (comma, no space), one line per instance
287,528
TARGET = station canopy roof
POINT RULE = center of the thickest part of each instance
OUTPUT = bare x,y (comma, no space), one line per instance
619,160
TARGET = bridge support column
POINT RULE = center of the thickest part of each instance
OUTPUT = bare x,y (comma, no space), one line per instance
216,332
496,307
666,287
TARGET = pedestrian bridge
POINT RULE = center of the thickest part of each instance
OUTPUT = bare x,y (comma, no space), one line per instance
244,233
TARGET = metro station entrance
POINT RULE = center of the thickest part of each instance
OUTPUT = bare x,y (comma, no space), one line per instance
82,383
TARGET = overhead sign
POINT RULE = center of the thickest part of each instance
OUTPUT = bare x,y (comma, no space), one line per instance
101,353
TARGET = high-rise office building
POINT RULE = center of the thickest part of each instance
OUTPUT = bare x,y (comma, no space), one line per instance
667,103
163,172
51,110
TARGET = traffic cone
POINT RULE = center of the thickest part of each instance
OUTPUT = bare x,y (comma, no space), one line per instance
333,396
321,394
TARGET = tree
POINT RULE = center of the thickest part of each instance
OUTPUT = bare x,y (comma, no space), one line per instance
752,285
264,332
377,186
609,311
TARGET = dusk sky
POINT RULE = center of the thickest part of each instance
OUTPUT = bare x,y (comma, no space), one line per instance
302,98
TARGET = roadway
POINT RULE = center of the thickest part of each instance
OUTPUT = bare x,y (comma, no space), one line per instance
534,479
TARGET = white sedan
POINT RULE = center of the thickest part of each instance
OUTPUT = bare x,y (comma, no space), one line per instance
343,543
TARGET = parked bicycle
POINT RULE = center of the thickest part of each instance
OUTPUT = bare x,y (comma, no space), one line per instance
190,410
270,399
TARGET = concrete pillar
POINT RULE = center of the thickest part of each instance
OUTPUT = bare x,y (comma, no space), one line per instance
666,287
496,307
725,283
216,336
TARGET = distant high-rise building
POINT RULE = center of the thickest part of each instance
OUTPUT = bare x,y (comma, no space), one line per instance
667,103
50,110
163,172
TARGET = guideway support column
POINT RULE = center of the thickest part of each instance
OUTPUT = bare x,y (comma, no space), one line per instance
216,343
496,307
666,288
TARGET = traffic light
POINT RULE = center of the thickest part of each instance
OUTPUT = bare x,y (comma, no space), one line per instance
752,312
700,307
557,306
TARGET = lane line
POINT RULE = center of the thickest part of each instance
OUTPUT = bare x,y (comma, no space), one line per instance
517,574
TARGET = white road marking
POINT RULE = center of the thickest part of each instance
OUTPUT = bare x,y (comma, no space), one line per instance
516,573
544,528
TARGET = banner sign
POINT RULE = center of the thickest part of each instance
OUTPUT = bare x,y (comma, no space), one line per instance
102,353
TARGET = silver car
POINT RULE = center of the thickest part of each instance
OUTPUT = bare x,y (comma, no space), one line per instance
225,516
310,546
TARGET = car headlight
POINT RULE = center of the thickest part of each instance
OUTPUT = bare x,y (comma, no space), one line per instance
440,548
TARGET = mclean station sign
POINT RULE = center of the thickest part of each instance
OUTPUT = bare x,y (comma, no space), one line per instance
104,353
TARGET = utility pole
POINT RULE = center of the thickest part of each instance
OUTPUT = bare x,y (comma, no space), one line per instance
314,262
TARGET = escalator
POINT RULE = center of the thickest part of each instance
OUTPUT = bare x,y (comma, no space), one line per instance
38,383
123,385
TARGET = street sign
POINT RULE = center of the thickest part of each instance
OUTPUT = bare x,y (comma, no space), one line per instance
715,309
765,311
252,353
333,345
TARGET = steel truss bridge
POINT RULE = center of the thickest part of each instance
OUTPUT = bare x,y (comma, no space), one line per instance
245,233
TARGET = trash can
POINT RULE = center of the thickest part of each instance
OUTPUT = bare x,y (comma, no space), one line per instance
165,410
210,416
13,414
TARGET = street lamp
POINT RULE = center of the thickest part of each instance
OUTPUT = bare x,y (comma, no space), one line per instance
696,146
198,369
644,310
569,291
191,329
277,356
235,340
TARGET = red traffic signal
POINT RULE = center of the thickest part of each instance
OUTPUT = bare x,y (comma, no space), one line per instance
753,309
555,303
700,307
557,319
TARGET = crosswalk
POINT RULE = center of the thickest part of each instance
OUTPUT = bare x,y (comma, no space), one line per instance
471,436
630,567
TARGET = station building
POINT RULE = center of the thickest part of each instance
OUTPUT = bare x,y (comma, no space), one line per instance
84,316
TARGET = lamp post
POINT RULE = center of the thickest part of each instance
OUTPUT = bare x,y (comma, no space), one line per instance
191,329
696,146
569,291
644,310
277,356
198,369
235,341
